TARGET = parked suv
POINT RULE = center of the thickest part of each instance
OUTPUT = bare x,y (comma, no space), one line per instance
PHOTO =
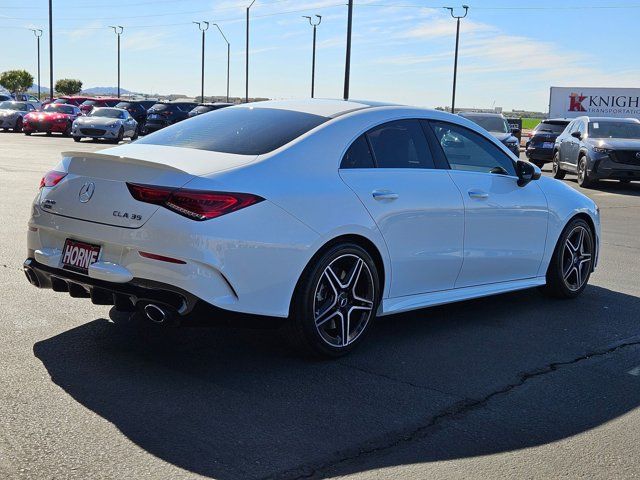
496,125
597,148
136,110
539,148
163,114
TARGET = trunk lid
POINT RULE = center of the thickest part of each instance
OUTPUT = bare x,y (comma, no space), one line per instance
95,188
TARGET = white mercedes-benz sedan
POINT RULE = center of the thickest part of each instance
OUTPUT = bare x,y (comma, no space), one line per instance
325,213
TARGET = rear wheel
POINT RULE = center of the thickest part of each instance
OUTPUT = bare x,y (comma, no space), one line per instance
584,180
135,135
335,302
18,126
67,131
77,139
572,261
558,173
27,133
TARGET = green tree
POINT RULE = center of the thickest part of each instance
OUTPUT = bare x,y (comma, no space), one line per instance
68,86
16,80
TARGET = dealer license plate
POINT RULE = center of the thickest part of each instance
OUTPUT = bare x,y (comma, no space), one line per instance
77,256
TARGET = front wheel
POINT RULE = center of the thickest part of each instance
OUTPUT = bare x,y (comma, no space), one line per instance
67,131
17,128
572,261
77,139
335,302
134,137
584,180
558,173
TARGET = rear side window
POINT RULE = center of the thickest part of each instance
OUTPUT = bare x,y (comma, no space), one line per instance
358,155
400,144
238,130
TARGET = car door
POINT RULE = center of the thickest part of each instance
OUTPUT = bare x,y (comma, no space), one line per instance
573,144
563,139
505,225
416,206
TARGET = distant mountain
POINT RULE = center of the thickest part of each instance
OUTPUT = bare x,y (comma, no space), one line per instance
34,88
105,90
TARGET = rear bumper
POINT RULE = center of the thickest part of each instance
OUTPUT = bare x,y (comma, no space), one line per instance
134,295
542,154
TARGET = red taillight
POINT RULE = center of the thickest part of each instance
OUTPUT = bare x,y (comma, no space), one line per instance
52,178
194,204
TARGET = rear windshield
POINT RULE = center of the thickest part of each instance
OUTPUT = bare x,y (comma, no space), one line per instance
88,102
551,127
202,109
160,107
242,130
490,123
613,129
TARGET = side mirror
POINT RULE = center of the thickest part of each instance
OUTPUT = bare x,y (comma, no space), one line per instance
526,172
577,135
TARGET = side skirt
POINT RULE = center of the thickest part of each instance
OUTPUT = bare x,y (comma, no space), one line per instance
413,302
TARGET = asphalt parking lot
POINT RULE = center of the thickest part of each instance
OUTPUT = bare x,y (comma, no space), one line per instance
514,386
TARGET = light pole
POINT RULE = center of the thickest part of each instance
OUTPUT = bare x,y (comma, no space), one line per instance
38,33
455,62
228,57
347,66
203,27
50,50
118,29
246,95
313,55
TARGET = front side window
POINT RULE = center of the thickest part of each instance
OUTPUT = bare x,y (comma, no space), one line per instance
237,130
467,150
358,155
400,144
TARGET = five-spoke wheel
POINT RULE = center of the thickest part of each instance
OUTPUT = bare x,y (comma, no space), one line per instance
335,301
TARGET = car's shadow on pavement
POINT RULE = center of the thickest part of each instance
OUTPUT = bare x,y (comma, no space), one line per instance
480,377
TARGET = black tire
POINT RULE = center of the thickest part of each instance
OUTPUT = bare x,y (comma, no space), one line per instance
538,163
77,139
17,128
559,285
625,180
557,171
120,136
49,133
327,339
135,135
27,133
67,131
584,180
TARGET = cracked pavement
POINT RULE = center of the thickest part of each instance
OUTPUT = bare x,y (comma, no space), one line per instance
511,386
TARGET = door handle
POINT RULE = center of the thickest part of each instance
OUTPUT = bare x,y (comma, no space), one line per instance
479,194
384,195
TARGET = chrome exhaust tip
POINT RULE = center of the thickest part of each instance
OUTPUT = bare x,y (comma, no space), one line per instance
155,313
32,277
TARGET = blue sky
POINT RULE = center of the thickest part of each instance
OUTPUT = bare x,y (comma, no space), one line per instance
511,51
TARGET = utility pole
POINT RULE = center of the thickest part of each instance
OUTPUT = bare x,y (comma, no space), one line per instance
51,50
455,61
347,67
203,27
313,55
118,29
246,95
228,57
38,33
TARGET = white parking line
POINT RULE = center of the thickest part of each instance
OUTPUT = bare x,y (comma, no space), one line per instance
635,371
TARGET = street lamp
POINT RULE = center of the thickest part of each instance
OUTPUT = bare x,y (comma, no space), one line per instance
455,62
347,66
247,57
50,50
38,33
203,27
118,29
313,57
228,57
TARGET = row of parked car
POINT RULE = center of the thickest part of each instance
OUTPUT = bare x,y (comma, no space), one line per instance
101,117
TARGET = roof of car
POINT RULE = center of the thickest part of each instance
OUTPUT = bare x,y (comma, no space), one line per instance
480,114
324,107
610,119
547,120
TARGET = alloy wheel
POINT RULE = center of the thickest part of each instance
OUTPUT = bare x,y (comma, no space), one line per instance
576,258
343,300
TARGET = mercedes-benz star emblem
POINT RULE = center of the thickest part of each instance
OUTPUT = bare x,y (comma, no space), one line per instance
638,155
86,192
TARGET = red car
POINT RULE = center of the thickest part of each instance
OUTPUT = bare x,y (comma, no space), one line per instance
54,118
90,103
69,100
